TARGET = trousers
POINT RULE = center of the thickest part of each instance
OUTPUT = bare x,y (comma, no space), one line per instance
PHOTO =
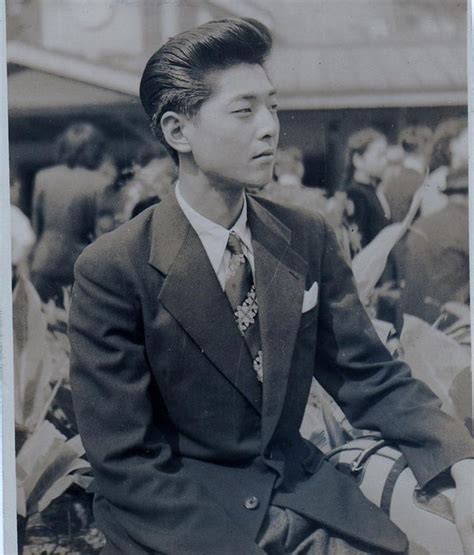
285,532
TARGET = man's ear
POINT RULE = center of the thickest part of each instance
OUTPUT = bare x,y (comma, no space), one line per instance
172,125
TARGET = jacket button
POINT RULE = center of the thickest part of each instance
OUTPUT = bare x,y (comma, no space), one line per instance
251,503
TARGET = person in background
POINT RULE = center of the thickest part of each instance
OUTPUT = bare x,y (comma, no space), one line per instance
366,159
287,186
433,199
155,174
289,167
436,265
22,235
115,203
402,181
140,184
64,205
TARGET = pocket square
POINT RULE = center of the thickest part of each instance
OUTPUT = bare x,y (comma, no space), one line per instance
310,298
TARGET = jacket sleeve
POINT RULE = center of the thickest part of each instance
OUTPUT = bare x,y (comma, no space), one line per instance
375,391
146,503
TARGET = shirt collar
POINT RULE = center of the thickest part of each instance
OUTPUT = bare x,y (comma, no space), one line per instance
214,236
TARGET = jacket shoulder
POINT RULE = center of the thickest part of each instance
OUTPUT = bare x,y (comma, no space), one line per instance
295,218
123,249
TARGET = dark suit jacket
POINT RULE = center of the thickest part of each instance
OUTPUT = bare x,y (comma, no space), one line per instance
174,423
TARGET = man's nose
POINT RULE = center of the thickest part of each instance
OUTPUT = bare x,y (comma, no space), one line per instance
268,124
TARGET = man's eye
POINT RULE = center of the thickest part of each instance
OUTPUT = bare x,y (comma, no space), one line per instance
242,111
274,107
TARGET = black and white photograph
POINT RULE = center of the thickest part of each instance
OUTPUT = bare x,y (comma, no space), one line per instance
236,317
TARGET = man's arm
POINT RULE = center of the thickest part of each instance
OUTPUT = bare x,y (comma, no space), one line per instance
148,503
374,391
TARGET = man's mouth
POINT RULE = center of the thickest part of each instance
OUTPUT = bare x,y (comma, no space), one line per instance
266,154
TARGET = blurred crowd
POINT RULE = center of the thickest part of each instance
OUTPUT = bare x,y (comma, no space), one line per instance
421,183
85,194
418,188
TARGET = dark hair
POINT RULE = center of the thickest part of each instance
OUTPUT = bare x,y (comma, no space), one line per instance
357,144
415,139
83,145
442,137
175,76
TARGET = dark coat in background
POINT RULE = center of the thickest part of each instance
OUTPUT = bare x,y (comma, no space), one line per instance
433,263
369,215
63,216
399,187
187,450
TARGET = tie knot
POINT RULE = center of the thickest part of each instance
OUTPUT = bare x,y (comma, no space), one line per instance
234,244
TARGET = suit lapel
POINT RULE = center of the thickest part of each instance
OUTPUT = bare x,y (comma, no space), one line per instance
280,279
192,294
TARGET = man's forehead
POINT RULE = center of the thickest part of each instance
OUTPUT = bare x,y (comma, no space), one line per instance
243,81
249,95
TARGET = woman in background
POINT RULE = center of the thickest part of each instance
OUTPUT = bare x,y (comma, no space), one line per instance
64,206
365,165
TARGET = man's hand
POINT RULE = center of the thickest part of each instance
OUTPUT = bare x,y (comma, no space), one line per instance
463,474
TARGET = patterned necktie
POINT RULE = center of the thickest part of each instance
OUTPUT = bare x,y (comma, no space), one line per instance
240,290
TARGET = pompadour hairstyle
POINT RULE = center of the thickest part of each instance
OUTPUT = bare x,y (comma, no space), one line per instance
175,77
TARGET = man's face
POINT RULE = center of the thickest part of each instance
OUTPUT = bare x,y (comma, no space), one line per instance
234,136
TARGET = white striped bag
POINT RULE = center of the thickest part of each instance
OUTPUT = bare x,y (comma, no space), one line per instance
384,478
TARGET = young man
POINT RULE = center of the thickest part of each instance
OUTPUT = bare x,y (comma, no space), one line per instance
197,328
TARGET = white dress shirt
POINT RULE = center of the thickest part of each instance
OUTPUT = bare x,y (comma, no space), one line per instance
214,237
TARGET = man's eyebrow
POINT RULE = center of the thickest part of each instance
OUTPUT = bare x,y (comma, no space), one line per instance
251,96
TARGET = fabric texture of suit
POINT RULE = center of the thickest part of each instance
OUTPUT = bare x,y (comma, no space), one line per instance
63,215
177,429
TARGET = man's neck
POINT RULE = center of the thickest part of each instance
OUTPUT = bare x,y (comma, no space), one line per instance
221,206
